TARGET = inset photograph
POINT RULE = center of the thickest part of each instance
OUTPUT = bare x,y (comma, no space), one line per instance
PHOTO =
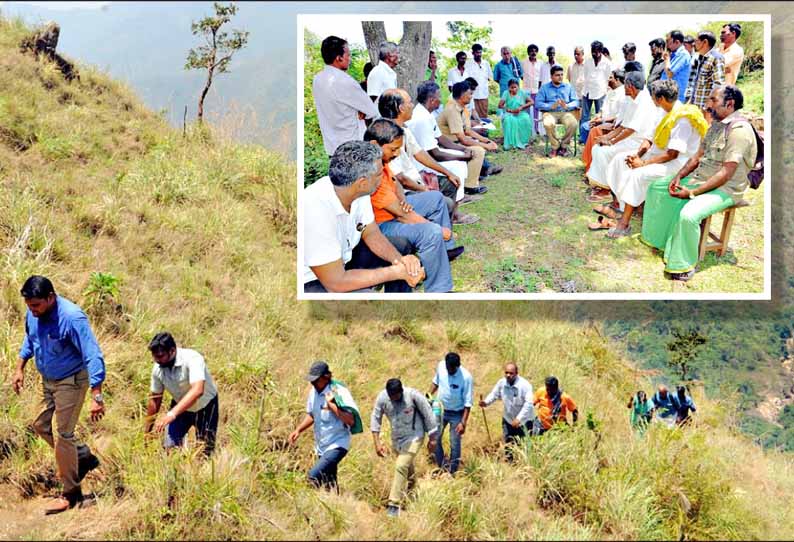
499,157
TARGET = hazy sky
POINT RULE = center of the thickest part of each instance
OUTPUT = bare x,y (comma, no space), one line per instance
564,31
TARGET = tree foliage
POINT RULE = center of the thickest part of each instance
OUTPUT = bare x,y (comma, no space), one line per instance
684,349
218,49
462,35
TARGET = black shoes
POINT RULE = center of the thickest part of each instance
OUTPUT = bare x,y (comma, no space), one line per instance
475,190
86,465
455,252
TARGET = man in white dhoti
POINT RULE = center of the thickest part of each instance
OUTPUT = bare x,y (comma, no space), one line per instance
675,140
640,125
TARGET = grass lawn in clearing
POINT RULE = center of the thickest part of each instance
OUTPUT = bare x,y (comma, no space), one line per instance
532,237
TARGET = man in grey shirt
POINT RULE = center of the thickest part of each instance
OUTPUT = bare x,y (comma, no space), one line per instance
411,417
516,395
194,397
341,103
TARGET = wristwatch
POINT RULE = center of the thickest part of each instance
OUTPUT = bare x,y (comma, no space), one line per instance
98,398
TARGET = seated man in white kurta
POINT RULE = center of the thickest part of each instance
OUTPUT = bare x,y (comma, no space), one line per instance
676,139
641,123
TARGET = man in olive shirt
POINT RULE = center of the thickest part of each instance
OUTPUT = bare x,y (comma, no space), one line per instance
714,179
455,123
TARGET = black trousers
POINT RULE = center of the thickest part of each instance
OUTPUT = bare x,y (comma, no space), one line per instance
364,258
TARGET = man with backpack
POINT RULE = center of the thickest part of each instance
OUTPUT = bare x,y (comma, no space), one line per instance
729,160
333,412
411,418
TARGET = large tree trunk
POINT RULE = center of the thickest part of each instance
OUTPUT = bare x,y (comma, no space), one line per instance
374,35
414,50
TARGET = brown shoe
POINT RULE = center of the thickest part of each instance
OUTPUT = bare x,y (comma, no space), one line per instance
63,503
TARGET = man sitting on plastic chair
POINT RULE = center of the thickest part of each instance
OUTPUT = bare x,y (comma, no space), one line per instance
557,102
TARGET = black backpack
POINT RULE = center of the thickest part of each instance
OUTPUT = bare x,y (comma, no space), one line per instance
756,173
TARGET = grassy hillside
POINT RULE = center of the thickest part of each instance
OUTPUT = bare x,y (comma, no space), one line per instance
200,235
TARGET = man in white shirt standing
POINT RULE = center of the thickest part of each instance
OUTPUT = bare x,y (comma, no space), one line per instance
340,102
383,77
545,68
458,73
194,397
531,68
338,216
480,69
516,395
596,74
576,72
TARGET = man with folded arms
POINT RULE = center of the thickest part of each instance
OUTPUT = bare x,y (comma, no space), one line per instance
338,216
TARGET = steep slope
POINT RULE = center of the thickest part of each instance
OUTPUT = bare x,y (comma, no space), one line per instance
200,234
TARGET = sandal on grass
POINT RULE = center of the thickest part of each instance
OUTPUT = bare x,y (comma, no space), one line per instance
603,223
616,233
595,196
608,211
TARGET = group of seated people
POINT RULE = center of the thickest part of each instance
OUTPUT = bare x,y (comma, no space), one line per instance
665,155
399,171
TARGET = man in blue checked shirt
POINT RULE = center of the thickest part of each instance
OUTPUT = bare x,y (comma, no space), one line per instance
68,357
455,388
677,62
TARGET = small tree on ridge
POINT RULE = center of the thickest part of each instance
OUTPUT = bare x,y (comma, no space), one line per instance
218,49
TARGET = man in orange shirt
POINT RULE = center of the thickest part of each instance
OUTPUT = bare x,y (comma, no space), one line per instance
421,217
552,405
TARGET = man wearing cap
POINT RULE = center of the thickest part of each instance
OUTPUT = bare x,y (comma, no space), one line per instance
411,418
333,412
455,388
516,395
194,397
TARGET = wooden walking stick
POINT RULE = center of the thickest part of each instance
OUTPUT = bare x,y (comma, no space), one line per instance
485,420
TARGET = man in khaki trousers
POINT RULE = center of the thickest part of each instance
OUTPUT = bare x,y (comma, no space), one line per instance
58,336
557,101
411,418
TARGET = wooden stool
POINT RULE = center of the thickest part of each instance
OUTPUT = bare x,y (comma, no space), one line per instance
709,241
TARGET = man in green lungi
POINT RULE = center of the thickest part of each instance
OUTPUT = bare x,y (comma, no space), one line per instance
714,179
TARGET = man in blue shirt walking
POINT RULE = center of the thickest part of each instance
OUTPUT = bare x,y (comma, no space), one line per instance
59,337
455,388
556,101
677,62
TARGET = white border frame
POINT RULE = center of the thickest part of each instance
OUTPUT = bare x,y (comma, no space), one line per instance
766,295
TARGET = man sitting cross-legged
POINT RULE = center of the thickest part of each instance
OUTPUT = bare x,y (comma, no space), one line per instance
455,123
421,217
338,217
677,137
556,102
639,123
396,104
714,179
